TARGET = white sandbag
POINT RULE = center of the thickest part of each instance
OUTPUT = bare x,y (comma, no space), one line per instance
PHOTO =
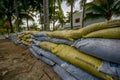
46,60
75,71
106,49
78,73
48,55
61,41
111,69
63,74
55,40
40,34
36,42
46,38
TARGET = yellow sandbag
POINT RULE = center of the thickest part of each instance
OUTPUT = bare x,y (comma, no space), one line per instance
25,42
82,60
105,33
47,45
20,36
75,34
23,34
26,36
66,34
59,34
29,40
100,26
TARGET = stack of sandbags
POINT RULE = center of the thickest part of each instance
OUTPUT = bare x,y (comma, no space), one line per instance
13,38
65,70
94,49
107,29
25,37
42,36
101,40
97,39
66,34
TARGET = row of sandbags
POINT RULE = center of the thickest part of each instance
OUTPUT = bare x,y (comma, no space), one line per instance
97,55
107,29
64,69
65,50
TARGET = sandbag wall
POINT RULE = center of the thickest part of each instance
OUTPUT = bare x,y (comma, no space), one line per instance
89,53
24,38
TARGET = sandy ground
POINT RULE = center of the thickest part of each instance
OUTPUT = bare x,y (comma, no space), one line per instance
17,63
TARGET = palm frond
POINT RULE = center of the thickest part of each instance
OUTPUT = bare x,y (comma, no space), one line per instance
92,16
24,16
90,7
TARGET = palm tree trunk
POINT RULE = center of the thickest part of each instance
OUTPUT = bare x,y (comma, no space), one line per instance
108,15
71,15
17,15
83,13
41,17
10,21
54,15
46,14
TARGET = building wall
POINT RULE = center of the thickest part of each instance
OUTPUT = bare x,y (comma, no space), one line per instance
77,21
88,22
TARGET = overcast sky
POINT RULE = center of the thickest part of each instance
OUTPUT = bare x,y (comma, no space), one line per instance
76,7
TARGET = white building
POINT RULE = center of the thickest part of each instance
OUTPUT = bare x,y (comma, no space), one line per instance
77,21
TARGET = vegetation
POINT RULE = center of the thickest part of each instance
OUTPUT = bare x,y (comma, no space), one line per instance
71,3
102,8
15,13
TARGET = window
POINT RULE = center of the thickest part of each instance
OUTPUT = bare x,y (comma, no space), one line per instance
77,20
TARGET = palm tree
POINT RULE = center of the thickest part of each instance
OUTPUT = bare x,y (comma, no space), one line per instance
68,16
71,3
17,15
37,6
22,12
55,11
59,16
25,7
102,8
46,14
82,2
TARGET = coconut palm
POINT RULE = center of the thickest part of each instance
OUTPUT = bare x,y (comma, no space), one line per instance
82,2
17,15
56,12
25,7
37,6
102,8
46,14
11,8
22,12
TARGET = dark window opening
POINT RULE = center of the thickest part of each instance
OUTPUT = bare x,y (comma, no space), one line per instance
77,20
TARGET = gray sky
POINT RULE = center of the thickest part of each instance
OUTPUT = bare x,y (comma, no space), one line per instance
76,7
